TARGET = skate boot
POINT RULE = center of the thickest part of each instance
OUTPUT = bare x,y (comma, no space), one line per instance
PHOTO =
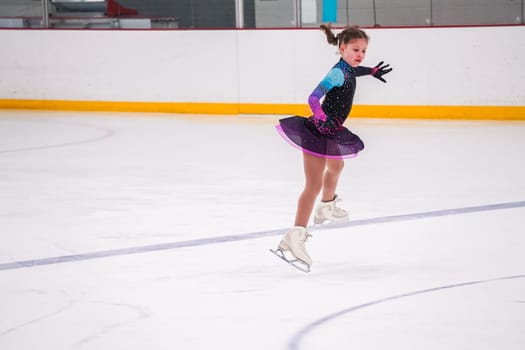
330,211
293,241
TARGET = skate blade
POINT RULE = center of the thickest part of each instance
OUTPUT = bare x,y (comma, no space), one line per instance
298,264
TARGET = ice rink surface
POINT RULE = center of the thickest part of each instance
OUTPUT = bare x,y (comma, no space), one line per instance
142,231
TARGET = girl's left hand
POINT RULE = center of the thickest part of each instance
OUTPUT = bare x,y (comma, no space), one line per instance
379,70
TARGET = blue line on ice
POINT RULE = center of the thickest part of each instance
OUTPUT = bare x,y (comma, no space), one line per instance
253,235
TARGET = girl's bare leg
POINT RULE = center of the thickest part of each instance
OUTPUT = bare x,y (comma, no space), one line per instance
334,167
314,168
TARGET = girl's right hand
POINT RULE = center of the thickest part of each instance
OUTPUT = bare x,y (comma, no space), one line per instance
320,115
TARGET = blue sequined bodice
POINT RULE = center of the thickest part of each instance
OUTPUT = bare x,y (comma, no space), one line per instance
338,101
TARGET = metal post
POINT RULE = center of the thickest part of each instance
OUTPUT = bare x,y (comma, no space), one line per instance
45,13
192,10
375,15
239,13
347,13
296,13
431,13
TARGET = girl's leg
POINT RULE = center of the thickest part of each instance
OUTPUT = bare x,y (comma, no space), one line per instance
314,168
327,209
334,167
295,238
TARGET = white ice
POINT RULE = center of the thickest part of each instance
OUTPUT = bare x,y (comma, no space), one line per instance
84,183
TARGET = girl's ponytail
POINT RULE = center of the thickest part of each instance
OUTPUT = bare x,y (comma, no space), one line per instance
330,37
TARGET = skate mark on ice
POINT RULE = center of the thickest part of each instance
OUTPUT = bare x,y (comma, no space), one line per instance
104,133
295,342
249,236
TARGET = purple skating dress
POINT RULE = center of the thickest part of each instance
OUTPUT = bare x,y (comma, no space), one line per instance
323,134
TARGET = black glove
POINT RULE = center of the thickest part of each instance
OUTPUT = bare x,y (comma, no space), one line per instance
379,70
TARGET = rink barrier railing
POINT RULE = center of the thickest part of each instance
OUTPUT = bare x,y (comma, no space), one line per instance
364,111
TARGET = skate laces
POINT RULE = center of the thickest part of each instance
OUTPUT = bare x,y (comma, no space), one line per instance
308,235
337,209
302,241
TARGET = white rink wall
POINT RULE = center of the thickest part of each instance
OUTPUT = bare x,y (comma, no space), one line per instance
468,66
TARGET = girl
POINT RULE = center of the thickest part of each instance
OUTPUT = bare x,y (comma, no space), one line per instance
323,139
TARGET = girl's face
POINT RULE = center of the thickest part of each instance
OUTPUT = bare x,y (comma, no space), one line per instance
354,51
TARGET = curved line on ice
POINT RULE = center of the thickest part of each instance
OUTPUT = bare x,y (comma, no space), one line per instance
295,342
105,133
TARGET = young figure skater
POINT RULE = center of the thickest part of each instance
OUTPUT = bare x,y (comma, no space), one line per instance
323,139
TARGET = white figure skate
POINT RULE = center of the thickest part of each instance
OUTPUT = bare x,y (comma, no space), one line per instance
330,211
293,241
